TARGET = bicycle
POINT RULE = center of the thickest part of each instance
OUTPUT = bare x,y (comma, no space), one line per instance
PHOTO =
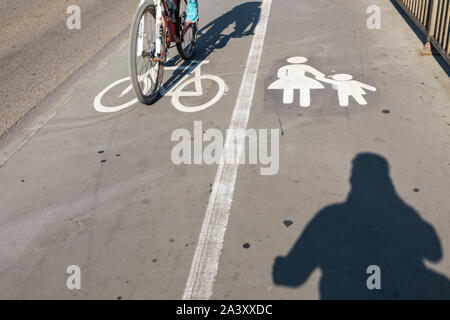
155,27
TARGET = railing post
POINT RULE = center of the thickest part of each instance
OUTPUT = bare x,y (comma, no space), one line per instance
426,51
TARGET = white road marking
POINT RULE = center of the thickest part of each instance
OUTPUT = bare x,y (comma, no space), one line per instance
178,92
293,77
205,264
98,99
175,91
126,91
347,87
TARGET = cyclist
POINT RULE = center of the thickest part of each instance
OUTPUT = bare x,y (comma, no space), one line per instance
191,11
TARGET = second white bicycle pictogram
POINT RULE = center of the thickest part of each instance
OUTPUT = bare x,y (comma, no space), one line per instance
176,91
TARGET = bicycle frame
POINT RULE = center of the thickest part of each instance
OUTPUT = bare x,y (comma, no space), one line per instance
173,32
167,21
155,27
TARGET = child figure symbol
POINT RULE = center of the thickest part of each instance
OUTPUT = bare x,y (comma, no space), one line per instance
293,76
347,87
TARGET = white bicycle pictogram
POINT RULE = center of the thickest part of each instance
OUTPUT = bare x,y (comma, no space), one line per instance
175,91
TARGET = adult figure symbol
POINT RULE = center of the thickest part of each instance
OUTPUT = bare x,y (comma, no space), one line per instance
294,76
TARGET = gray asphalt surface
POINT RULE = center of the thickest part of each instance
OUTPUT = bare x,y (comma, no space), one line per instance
38,52
99,190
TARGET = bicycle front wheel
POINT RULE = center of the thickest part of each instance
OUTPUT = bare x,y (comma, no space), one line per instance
146,67
188,34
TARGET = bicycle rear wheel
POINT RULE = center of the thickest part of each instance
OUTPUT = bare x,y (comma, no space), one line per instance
187,32
146,68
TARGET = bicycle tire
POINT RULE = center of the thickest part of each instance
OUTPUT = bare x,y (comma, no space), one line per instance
186,55
136,78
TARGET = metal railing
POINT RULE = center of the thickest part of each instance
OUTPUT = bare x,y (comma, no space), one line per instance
433,18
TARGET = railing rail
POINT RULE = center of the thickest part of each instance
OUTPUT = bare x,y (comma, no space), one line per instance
433,18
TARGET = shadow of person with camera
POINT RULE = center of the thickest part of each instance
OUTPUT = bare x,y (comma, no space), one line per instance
374,227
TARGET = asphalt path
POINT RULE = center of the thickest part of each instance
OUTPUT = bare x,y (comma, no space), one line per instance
87,184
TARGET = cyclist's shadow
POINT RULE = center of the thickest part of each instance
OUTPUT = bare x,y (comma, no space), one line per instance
213,36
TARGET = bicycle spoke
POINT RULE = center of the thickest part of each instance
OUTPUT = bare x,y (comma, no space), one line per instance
153,75
147,87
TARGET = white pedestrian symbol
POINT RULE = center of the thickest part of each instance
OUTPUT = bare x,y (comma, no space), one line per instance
294,77
346,88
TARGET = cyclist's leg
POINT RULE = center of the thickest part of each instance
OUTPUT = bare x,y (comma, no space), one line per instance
171,6
191,11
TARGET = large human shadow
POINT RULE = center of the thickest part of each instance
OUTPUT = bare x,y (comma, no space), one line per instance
214,35
373,227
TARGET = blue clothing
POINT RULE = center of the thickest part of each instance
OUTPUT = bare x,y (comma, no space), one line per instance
191,11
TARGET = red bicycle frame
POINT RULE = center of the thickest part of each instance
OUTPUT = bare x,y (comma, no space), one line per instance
172,27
